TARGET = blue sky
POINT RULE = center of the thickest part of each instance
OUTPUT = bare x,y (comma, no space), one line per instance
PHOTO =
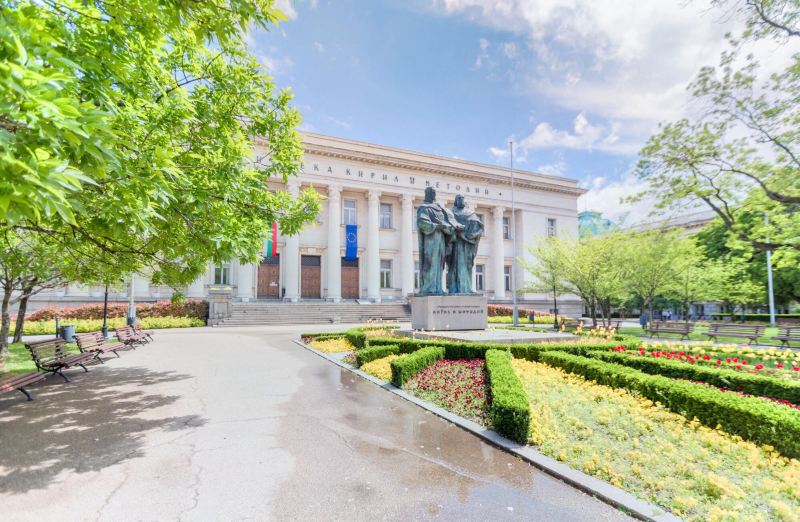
579,85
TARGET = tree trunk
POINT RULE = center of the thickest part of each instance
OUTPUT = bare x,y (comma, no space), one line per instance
650,309
23,306
5,325
593,312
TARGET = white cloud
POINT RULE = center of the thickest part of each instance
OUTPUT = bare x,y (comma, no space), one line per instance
319,47
275,64
625,63
558,168
340,123
483,55
584,136
287,7
607,198
510,50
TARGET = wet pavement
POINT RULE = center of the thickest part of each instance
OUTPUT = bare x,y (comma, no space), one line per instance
235,424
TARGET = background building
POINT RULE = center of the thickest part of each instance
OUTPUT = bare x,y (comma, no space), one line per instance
377,189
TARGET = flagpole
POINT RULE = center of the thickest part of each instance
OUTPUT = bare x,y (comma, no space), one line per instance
513,236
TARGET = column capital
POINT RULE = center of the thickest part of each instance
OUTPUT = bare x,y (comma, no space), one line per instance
498,211
334,191
407,199
374,195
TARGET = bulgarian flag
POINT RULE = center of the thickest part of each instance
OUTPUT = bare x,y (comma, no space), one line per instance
272,242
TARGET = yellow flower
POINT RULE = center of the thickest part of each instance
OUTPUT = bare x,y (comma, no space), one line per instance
332,345
381,368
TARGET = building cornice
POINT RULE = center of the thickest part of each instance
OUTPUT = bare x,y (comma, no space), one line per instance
350,150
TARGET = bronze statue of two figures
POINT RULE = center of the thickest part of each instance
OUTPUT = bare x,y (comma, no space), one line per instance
447,239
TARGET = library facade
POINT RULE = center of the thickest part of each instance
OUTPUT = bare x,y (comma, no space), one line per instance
364,243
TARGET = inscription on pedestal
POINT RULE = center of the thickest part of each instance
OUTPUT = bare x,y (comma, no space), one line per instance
448,312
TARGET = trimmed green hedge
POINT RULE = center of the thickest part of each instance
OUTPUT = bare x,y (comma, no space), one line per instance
749,417
510,410
375,352
763,318
763,385
531,352
357,337
406,367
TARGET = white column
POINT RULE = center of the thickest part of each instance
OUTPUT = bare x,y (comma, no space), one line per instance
245,281
373,246
334,258
407,245
498,257
291,256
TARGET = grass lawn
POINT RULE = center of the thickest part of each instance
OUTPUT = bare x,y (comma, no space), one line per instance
697,332
19,359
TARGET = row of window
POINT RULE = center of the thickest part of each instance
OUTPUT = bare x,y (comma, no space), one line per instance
350,217
222,275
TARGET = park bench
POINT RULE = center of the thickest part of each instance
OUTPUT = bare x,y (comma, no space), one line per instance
787,334
789,321
671,327
137,329
128,337
95,344
19,382
741,331
572,324
49,356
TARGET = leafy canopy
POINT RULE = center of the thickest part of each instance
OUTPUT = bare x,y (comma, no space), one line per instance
127,132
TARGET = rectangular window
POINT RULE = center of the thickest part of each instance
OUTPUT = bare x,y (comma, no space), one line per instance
551,227
479,278
386,273
507,277
386,215
480,218
349,212
506,228
222,274
416,275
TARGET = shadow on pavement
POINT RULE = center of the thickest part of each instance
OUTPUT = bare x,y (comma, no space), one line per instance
95,421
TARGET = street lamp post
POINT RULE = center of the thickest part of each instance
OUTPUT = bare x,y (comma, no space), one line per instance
513,237
105,313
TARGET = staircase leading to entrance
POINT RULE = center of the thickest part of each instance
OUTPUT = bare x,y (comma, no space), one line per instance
313,312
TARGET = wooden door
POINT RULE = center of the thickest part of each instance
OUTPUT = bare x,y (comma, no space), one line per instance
350,288
269,284
310,277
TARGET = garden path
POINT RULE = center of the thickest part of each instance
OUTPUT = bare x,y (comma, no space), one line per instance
233,424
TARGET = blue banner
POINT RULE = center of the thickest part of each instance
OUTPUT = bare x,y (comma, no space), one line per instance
351,242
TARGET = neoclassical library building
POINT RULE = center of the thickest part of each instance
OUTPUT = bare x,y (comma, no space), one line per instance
364,243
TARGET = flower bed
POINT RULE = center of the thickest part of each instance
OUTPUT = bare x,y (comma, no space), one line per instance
192,308
770,357
756,381
381,368
332,345
698,472
764,362
94,325
751,418
458,386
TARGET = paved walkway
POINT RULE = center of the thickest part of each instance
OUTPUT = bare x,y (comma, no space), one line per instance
242,424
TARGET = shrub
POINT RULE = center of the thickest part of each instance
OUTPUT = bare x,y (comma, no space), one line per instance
503,310
194,308
763,318
357,337
531,352
749,417
406,367
762,385
510,411
95,325
375,352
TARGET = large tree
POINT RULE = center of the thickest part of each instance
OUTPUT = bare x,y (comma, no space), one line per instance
549,272
127,133
658,261
740,155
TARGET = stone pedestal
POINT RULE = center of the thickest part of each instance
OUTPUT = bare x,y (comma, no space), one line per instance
448,312
219,303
